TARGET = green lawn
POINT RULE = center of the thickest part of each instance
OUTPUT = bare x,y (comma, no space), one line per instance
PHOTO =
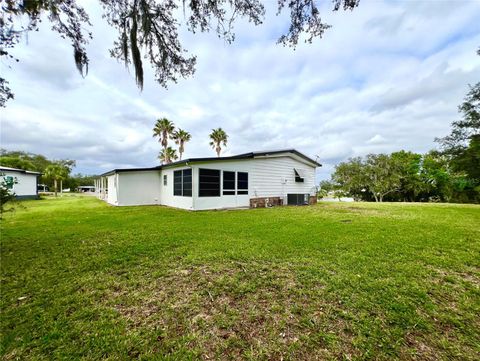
84,280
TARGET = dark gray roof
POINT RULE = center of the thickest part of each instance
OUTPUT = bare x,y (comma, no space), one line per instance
243,156
122,170
216,159
19,170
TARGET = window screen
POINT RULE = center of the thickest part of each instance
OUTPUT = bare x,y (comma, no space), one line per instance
164,179
242,183
228,183
9,181
297,199
298,177
182,183
209,183
177,183
187,182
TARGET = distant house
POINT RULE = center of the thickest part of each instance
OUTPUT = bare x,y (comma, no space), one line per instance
21,182
256,179
43,188
86,189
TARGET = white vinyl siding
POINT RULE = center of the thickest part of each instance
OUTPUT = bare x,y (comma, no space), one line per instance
26,183
138,188
275,177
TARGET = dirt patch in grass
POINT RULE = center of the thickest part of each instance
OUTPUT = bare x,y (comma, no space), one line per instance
470,275
262,311
358,210
238,311
416,348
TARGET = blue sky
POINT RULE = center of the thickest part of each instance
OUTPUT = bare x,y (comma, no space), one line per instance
385,77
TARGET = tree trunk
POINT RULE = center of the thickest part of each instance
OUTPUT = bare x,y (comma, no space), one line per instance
375,196
181,149
61,186
55,186
218,149
165,155
164,139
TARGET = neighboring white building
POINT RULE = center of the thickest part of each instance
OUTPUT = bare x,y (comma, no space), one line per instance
256,179
21,182
86,189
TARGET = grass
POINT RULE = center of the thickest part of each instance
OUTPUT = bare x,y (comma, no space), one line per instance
84,280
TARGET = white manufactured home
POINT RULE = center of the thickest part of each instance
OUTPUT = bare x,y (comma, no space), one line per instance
256,179
21,182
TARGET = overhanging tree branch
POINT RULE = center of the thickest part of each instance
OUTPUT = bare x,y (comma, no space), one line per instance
149,29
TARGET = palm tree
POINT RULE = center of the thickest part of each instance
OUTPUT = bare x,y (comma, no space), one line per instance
163,130
167,155
218,137
57,172
181,137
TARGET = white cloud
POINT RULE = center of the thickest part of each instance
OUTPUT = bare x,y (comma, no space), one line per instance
376,139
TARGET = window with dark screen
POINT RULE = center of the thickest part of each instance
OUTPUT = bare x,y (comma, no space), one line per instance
209,183
242,183
177,183
228,183
187,182
182,183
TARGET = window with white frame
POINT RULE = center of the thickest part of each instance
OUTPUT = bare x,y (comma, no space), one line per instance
208,182
228,183
242,183
299,175
182,183
211,184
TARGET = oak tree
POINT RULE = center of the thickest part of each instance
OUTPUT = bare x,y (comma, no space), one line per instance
148,29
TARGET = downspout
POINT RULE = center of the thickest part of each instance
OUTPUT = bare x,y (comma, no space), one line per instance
117,188
284,194
160,189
